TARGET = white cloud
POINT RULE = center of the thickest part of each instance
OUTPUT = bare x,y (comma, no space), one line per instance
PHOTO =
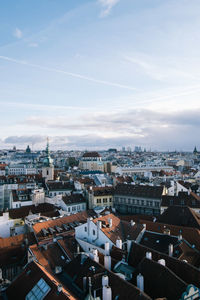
107,6
18,33
33,45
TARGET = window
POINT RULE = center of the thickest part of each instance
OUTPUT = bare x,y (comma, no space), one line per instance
93,231
105,200
68,209
47,172
85,229
39,291
98,200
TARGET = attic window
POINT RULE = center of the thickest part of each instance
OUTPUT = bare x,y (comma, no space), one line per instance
39,291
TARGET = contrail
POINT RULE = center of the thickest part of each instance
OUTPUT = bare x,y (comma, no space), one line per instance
67,73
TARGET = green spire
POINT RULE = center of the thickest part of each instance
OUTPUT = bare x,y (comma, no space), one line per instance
195,150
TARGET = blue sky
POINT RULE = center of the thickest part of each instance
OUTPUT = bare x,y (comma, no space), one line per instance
100,73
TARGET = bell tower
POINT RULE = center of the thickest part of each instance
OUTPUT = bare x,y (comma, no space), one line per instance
48,167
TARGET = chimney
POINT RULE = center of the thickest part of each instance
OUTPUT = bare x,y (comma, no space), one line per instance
149,255
110,222
104,280
88,226
162,262
95,255
180,237
119,243
59,288
140,282
107,262
99,226
58,269
129,244
107,248
167,231
107,293
171,249
132,223
84,284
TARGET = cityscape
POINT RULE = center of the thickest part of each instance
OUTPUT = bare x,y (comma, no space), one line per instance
99,150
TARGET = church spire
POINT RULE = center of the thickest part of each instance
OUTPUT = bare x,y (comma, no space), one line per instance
195,150
47,147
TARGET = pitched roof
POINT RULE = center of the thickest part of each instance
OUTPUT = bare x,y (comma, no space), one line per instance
46,209
91,154
80,217
139,190
59,185
74,198
157,241
185,271
160,281
120,229
88,268
191,200
102,190
181,216
30,276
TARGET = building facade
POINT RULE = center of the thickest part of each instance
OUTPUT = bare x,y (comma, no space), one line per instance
138,199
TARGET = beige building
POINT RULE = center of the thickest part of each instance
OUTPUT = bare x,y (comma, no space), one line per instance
100,196
91,161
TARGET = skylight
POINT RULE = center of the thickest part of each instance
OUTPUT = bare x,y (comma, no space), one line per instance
39,291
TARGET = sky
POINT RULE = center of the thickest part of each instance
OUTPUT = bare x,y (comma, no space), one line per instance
96,74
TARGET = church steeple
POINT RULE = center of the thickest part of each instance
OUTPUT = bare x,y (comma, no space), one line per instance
195,150
48,161
48,168
47,147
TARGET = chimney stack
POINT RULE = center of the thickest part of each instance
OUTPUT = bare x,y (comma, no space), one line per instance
59,288
132,223
129,244
162,262
99,226
149,255
140,282
95,255
84,284
107,293
180,237
107,262
171,249
107,248
119,243
110,222
105,280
